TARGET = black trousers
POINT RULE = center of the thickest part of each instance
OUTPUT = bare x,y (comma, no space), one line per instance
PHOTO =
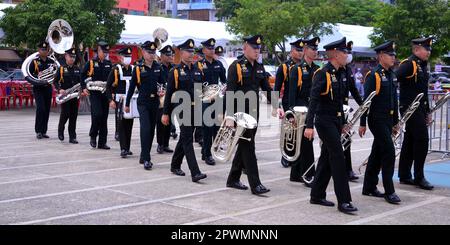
198,135
148,114
117,123
43,98
162,131
209,133
382,155
185,147
304,161
125,131
331,162
69,111
245,157
414,147
99,116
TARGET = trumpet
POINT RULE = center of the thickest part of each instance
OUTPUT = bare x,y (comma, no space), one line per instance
228,137
71,93
95,85
291,132
346,138
400,125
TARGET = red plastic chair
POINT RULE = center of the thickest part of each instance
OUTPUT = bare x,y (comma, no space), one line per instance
5,98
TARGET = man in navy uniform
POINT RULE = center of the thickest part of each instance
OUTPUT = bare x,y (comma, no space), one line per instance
326,114
383,116
299,95
182,78
162,131
42,92
214,73
247,75
413,78
146,76
117,86
66,77
98,69
282,78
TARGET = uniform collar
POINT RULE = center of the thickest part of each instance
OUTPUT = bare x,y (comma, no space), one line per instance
418,60
331,68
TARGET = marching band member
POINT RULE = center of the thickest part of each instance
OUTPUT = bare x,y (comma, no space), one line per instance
282,77
247,75
383,115
66,77
42,92
299,95
117,85
146,76
182,78
413,77
213,71
98,69
162,131
350,87
326,113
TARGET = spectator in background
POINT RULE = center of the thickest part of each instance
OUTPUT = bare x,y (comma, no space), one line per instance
359,82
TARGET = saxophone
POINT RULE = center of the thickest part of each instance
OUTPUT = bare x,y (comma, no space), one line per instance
71,93
346,138
400,125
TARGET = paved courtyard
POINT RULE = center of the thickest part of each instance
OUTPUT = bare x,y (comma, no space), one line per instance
49,182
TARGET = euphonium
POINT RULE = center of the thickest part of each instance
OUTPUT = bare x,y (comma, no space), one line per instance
291,132
346,138
211,91
71,93
95,85
227,137
60,39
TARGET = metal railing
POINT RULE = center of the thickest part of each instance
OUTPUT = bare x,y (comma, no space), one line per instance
439,130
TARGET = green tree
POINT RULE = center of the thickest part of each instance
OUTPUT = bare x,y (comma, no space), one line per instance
359,12
226,8
409,19
27,23
279,20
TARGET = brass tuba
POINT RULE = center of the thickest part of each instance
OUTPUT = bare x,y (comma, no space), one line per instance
60,39
291,132
227,137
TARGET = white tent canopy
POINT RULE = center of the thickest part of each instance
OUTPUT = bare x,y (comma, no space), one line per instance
139,29
358,34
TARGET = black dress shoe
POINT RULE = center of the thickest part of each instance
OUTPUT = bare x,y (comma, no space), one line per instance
123,153
424,184
73,141
148,165
203,157
104,147
129,153
198,177
237,185
407,182
392,198
93,142
178,172
347,208
141,161
210,161
352,176
322,202
299,180
160,149
117,136
174,135
61,136
285,163
260,189
374,193
39,136
168,150
45,136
